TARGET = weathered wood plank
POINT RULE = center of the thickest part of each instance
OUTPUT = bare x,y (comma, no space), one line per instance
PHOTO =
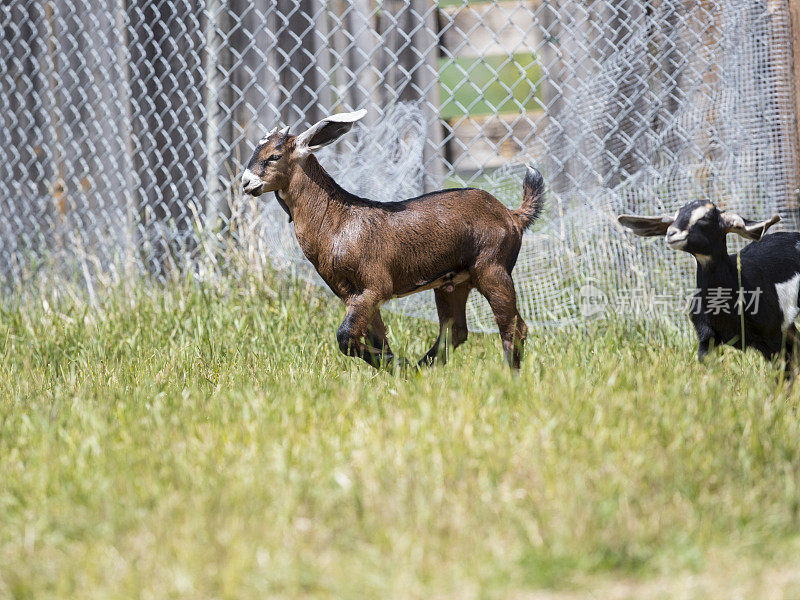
409,67
482,142
794,15
492,28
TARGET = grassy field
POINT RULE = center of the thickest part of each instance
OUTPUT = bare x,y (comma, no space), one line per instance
212,443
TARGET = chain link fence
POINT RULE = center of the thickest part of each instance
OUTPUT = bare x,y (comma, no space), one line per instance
125,124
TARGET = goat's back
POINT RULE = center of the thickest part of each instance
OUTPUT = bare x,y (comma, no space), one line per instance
422,238
773,259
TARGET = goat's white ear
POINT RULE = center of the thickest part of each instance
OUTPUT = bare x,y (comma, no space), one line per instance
327,131
284,133
266,135
752,230
646,226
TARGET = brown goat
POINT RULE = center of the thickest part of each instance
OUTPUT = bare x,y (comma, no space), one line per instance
370,252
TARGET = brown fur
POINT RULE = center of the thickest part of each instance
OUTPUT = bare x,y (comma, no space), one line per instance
370,252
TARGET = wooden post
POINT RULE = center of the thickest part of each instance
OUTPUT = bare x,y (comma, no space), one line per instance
785,64
794,17
360,87
218,124
411,38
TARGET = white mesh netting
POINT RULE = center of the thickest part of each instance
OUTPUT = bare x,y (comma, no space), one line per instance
702,114
128,122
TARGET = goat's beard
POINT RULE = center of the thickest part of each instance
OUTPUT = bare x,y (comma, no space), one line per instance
283,204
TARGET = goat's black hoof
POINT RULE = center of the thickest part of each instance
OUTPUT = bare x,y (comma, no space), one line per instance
392,363
426,361
429,360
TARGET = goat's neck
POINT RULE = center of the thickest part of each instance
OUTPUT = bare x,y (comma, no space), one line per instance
314,201
716,270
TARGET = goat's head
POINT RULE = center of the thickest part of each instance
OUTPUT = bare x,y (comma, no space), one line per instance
698,227
278,152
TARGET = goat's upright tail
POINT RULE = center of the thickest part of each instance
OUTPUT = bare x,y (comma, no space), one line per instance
532,198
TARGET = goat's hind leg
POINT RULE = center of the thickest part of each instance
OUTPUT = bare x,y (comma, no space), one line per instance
451,306
495,283
791,353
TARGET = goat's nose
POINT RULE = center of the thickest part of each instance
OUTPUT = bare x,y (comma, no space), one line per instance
676,238
674,232
249,180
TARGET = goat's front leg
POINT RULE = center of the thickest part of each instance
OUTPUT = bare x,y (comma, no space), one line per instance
377,340
704,345
705,335
356,325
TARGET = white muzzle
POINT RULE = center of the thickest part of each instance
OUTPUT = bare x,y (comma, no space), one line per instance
250,183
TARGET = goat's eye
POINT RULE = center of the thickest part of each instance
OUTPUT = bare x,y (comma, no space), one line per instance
272,158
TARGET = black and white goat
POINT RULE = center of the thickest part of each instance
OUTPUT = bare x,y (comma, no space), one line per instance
762,294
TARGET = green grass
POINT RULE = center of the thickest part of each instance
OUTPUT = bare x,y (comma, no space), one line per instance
213,443
489,85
